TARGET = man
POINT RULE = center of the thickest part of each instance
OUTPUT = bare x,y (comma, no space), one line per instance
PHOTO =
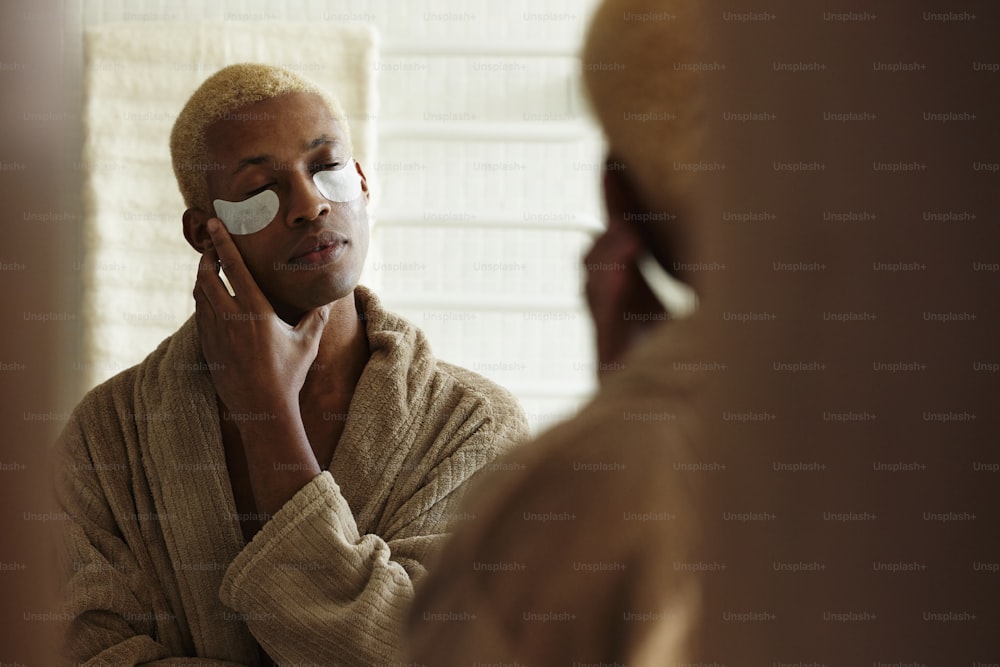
267,484
569,559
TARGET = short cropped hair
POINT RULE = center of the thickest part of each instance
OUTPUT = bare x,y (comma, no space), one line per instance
629,70
222,93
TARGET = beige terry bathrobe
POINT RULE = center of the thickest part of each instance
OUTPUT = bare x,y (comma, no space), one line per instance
158,571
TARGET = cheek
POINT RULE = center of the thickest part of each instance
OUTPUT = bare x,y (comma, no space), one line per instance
363,236
252,251
361,226
352,219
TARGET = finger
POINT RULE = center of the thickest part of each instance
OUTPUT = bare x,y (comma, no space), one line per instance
594,251
208,265
312,324
616,245
204,309
232,262
206,319
611,261
620,244
615,289
210,281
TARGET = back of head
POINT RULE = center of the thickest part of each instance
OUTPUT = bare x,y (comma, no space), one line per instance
638,68
216,99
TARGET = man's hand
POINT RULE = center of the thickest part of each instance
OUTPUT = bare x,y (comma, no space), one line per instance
258,362
621,304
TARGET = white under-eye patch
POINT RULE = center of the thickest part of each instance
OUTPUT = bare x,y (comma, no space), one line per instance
339,184
254,214
250,215
679,299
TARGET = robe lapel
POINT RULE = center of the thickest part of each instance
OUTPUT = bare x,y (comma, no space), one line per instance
186,468
379,432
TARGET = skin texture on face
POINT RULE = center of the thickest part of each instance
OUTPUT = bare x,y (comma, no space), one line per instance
279,144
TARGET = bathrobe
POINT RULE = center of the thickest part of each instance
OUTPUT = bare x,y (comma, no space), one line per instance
157,570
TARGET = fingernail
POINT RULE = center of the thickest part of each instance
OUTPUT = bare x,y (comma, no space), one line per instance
213,225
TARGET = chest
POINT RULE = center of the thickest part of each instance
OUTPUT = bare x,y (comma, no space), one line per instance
324,432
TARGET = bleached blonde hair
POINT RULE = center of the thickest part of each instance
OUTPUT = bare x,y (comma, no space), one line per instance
633,64
221,94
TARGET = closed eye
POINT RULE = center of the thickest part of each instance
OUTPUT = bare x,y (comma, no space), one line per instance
325,167
258,190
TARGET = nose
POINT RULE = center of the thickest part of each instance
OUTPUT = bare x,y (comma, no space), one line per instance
305,202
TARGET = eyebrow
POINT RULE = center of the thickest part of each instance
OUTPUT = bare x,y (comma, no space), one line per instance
246,162
321,140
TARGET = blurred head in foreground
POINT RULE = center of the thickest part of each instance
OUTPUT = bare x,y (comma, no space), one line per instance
639,70
569,555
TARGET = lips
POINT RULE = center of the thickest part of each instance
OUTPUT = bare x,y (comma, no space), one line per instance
319,248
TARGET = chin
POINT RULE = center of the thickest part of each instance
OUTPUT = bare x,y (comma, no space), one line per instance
330,288
304,289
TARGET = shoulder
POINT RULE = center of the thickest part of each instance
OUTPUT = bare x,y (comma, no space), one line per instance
103,408
622,463
599,464
588,517
109,406
401,349
493,399
471,415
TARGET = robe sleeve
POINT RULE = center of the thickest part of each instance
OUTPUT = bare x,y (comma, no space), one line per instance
115,611
313,590
188,662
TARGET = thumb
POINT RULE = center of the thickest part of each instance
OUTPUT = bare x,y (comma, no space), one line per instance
312,325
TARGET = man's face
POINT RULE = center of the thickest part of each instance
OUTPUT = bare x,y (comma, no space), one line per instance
313,251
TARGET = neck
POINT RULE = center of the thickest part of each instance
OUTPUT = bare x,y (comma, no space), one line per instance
341,357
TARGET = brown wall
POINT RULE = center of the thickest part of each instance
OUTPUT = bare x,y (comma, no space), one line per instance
863,453
35,306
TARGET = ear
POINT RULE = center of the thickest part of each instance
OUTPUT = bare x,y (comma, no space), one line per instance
364,180
195,229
